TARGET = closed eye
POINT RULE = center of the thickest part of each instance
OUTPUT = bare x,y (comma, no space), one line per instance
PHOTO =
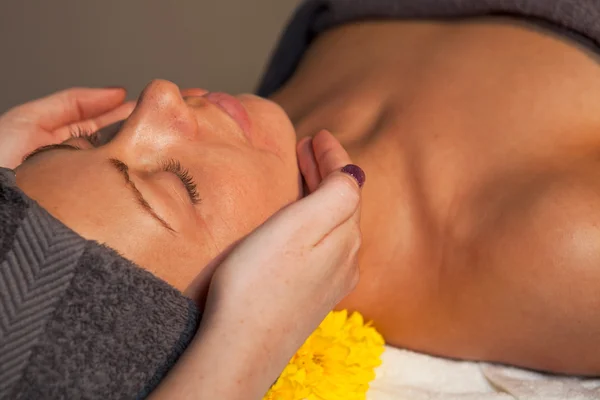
172,166
120,166
183,174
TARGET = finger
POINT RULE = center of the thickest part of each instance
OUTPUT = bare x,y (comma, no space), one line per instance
73,105
308,164
329,153
342,245
312,218
198,289
90,126
118,114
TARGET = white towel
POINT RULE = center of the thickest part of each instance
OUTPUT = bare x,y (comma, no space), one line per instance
405,375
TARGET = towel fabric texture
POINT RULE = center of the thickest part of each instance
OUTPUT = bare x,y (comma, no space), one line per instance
405,375
577,19
77,320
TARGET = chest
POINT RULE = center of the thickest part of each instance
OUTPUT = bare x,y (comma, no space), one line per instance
435,112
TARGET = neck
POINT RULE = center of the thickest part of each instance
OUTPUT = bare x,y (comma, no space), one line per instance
425,98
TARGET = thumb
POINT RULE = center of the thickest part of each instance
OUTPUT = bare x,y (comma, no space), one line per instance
334,202
72,105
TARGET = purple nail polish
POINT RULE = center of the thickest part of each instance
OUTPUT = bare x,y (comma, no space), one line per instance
356,172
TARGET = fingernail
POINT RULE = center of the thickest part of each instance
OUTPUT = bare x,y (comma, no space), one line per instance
356,172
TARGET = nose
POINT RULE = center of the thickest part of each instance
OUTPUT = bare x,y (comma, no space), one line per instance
160,119
193,92
162,105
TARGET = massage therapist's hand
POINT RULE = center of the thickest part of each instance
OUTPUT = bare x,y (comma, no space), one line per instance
53,119
296,267
277,285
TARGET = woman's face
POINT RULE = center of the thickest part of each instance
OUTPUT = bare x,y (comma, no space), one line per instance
182,180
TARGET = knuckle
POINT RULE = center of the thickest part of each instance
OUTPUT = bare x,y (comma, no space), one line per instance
355,238
69,97
348,192
354,277
357,244
70,92
358,236
324,155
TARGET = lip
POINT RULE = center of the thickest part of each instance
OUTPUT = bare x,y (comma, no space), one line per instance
232,107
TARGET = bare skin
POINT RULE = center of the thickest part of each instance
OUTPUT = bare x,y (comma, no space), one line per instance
480,218
255,292
240,180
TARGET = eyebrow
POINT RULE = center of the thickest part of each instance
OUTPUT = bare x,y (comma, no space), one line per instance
124,170
43,149
121,167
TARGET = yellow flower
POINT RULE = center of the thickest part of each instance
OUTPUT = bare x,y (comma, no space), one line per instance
336,362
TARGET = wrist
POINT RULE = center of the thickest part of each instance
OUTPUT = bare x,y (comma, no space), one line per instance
228,359
272,337
253,349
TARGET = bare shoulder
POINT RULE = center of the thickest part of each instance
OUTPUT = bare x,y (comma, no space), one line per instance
551,219
526,285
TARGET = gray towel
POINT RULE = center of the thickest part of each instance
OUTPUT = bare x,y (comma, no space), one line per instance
577,19
77,320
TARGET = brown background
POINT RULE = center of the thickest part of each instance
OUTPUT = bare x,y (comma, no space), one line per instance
215,44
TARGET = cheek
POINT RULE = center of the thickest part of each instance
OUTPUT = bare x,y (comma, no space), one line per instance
268,194
94,209
235,207
272,130
239,195
177,262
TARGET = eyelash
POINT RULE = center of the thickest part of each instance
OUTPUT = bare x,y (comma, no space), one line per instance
172,165
175,167
86,134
